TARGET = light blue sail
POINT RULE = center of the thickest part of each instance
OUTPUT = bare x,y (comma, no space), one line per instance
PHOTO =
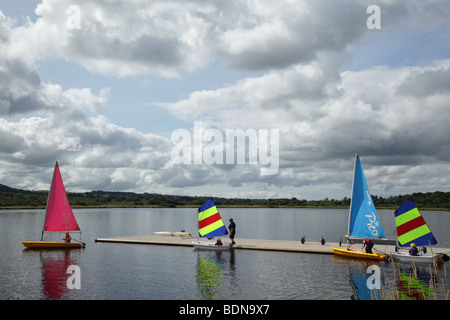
363,221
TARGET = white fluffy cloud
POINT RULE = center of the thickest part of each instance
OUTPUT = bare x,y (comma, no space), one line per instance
120,38
386,114
42,122
300,54
167,38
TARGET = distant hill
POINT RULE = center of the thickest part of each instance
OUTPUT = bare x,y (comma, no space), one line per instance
4,188
17,198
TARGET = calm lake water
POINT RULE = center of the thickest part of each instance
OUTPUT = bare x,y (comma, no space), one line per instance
126,271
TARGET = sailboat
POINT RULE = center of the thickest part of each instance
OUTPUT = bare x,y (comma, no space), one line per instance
210,225
363,222
58,217
412,228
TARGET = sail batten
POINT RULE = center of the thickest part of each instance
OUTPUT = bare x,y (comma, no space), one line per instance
411,226
210,224
363,220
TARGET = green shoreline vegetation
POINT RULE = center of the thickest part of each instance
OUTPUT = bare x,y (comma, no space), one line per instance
11,198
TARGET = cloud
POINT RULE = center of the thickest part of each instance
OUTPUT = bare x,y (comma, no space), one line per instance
427,83
119,38
299,54
41,122
22,90
169,38
379,112
281,90
276,35
92,146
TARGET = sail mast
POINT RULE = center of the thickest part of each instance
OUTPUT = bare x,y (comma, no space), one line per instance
48,197
351,201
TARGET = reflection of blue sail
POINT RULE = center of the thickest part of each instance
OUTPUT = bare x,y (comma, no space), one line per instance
360,286
363,221
358,283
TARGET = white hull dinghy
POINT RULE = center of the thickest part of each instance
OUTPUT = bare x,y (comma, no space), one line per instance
210,246
406,257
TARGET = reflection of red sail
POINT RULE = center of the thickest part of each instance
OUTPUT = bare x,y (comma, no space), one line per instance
54,276
413,287
59,215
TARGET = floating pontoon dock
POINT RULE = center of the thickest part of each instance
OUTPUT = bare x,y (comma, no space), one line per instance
243,243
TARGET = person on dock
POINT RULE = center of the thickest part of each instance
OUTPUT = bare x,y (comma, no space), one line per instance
232,228
413,251
368,244
67,238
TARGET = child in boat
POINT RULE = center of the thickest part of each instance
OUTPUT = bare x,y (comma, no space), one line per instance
413,251
219,242
67,238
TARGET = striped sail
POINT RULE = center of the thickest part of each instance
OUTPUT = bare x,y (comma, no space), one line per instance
210,223
411,227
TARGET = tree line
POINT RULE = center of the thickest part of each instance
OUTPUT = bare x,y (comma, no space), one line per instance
17,198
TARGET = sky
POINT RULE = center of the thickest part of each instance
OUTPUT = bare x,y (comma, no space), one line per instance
145,96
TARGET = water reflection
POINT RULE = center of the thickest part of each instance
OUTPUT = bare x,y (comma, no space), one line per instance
211,267
397,281
54,272
109,271
414,286
419,283
358,277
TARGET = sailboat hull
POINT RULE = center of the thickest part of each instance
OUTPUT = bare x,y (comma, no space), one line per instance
405,257
358,254
51,245
210,246
173,234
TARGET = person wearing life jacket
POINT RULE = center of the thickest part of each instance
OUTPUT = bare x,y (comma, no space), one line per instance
219,242
413,251
67,238
368,244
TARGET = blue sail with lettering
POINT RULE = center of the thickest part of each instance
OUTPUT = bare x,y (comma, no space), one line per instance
363,221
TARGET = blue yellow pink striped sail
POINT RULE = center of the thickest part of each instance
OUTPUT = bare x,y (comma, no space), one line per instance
210,223
411,227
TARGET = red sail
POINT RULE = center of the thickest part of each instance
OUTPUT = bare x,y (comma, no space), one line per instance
59,215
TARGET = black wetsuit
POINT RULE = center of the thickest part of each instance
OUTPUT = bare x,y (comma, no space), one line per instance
232,228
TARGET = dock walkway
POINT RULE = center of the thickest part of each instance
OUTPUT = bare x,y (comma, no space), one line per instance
244,243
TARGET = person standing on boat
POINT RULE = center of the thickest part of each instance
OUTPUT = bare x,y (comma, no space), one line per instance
232,228
368,244
413,251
